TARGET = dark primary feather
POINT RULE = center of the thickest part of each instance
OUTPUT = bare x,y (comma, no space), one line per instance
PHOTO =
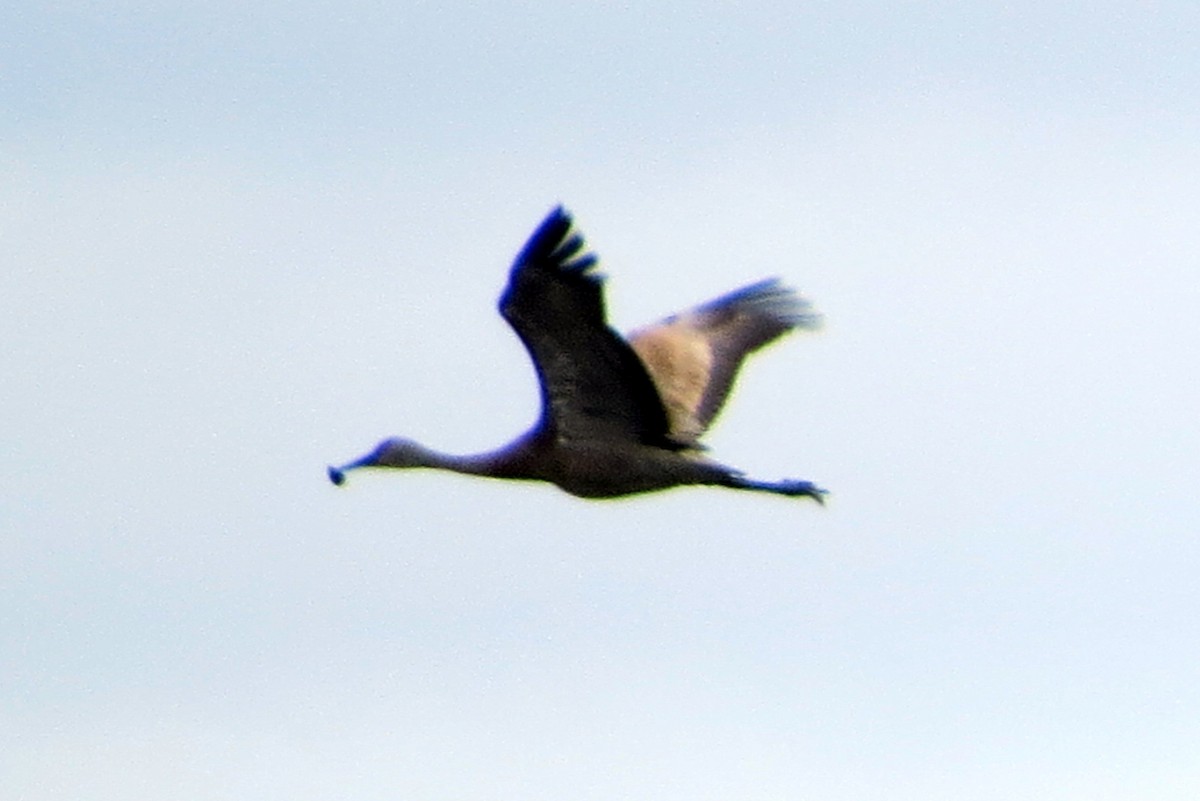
593,385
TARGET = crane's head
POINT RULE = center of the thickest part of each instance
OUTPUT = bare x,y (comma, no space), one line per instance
395,452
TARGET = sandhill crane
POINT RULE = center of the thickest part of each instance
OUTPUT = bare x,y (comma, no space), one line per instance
618,416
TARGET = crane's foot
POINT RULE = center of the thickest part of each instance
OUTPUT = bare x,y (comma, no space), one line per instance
801,489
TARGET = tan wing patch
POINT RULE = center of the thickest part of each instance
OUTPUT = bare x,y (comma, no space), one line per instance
679,360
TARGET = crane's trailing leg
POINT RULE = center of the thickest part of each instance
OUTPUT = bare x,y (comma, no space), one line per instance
790,487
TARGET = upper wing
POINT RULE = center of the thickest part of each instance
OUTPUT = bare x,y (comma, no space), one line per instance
593,385
694,356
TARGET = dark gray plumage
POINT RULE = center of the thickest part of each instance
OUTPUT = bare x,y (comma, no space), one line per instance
618,417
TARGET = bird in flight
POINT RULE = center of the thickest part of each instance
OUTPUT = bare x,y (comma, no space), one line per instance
619,416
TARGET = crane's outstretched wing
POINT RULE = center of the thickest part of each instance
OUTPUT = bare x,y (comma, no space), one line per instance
694,356
593,384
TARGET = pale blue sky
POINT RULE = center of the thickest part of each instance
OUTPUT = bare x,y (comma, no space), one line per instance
241,244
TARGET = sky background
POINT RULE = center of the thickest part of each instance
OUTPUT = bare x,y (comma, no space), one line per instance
241,243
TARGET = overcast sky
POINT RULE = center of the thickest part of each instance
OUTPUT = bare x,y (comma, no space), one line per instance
242,243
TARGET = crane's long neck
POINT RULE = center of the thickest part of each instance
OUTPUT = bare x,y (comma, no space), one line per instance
518,459
496,463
